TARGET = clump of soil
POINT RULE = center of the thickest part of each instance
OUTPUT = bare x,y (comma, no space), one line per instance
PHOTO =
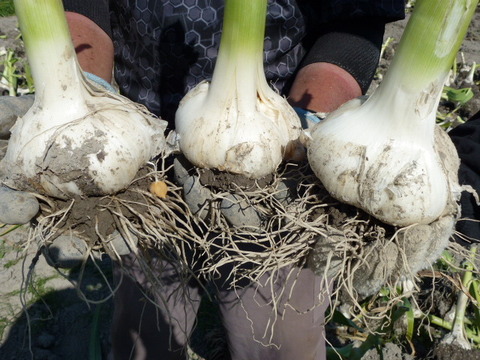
93,218
452,352
227,181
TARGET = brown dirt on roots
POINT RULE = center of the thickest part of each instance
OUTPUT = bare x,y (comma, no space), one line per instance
86,218
308,227
290,228
453,352
227,181
92,218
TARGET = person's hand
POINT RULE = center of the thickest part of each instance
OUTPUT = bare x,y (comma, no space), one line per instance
20,207
385,260
198,197
11,108
364,266
415,248
70,250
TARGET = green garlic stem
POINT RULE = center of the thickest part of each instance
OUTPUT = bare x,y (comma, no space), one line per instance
50,50
240,56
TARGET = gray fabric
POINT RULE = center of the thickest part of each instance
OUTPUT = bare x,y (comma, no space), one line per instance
154,326
255,329
295,330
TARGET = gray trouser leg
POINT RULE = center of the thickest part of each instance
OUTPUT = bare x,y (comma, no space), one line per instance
279,318
142,330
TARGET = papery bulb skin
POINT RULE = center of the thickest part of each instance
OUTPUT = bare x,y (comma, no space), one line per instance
220,135
93,151
387,155
237,123
77,139
393,174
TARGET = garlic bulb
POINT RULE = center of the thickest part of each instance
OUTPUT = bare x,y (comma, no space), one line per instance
237,123
76,139
382,155
390,172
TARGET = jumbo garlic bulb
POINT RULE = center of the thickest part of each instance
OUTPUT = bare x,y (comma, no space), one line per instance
234,134
237,123
385,155
77,138
393,174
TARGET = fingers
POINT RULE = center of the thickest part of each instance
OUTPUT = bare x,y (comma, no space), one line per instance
71,250
3,148
327,256
196,196
414,248
181,169
16,207
236,210
122,244
376,268
422,245
368,265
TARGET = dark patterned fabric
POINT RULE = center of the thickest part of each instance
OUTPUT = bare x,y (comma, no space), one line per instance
466,138
165,47
327,11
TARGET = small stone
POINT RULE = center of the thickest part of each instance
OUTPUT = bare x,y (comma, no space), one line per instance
17,207
121,245
66,251
240,213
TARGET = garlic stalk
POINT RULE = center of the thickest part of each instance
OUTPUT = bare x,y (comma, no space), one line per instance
237,123
77,139
380,155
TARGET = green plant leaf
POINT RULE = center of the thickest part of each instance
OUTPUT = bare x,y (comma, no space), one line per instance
6,8
94,347
339,318
410,319
459,96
